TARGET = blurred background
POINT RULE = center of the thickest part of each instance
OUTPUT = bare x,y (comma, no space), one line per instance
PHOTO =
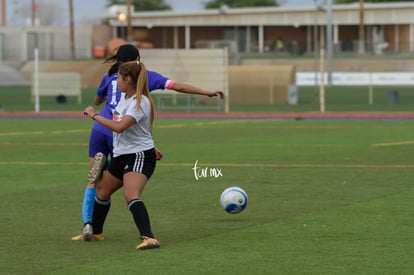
291,51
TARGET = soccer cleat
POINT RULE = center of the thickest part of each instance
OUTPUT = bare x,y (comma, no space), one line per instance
148,243
95,237
87,233
97,168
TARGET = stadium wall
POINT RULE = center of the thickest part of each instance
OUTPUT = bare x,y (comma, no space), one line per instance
269,79
205,68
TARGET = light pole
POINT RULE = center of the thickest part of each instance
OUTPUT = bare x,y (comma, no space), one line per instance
322,44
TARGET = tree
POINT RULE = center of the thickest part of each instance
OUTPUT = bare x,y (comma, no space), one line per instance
142,5
216,4
72,30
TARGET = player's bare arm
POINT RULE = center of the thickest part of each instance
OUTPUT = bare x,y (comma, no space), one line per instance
189,89
116,126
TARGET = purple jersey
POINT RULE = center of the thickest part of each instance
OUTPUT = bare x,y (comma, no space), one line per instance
109,89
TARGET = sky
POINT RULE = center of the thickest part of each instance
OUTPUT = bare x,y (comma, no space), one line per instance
90,10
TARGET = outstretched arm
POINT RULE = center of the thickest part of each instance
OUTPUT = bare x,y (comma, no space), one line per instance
189,89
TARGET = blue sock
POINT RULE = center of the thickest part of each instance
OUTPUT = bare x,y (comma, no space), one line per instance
87,206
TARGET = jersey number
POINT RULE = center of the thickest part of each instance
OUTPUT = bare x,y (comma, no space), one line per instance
114,89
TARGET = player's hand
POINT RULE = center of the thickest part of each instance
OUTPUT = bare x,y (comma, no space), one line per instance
217,93
158,154
89,111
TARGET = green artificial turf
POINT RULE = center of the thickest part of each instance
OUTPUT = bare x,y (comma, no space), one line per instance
325,197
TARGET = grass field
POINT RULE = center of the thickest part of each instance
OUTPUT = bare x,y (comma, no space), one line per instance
325,197
338,99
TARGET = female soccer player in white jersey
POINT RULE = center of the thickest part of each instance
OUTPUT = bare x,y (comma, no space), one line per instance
134,157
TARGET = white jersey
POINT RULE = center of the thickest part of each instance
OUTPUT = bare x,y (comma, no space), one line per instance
138,137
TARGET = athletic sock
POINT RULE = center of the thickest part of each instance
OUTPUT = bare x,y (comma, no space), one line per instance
140,214
87,205
101,209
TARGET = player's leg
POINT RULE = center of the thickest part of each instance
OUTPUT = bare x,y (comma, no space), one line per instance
98,163
95,173
110,183
134,183
98,151
100,146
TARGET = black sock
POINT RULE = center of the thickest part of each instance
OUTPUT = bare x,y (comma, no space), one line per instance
101,209
141,218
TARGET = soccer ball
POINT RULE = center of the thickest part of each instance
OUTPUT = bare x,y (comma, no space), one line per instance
233,200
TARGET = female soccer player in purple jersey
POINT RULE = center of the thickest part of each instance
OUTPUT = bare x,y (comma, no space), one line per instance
134,157
101,138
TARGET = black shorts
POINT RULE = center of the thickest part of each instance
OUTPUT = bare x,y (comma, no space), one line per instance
141,162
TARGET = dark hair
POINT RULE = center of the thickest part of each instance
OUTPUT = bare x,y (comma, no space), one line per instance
124,53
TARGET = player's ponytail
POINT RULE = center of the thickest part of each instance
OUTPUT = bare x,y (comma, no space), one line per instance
142,88
138,73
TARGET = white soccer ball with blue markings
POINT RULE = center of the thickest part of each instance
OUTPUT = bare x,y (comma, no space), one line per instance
234,200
